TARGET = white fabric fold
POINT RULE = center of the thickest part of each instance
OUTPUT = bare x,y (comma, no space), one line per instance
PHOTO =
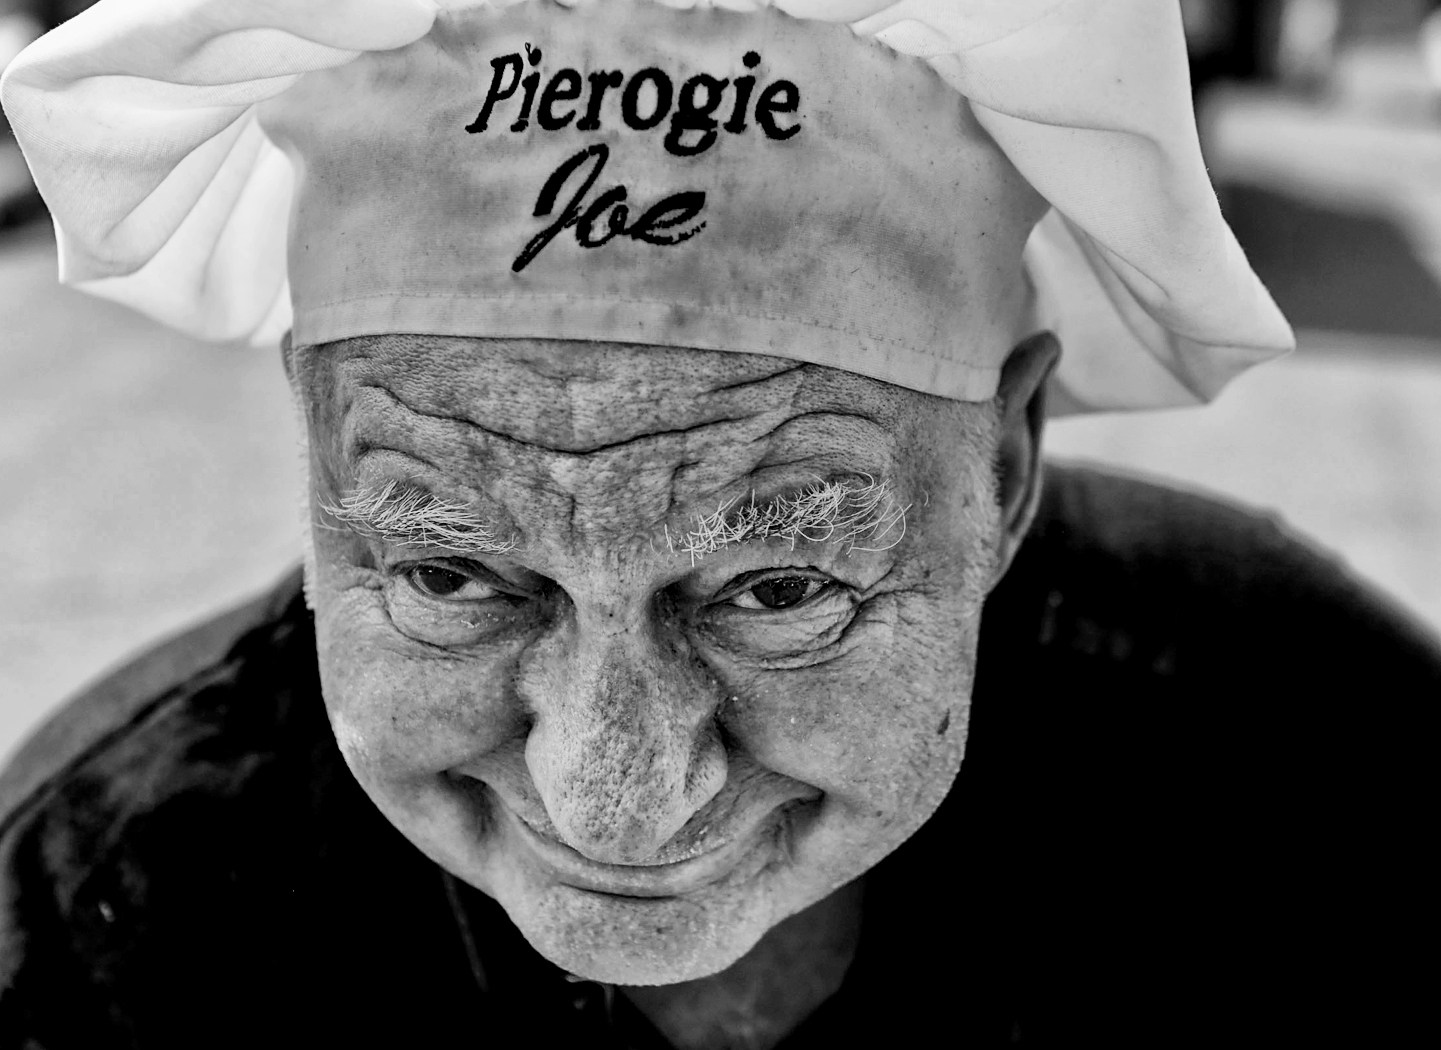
137,118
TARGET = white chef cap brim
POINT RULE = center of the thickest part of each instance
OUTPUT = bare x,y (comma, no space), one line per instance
138,120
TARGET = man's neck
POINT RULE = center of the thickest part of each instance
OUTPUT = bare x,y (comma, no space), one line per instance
761,999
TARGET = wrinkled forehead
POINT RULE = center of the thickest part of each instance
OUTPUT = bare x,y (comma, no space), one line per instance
640,433
522,383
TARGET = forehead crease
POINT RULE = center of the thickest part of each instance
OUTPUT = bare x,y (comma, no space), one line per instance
375,409
620,488
833,441
722,435
802,448
376,414
653,396
534,400
634,486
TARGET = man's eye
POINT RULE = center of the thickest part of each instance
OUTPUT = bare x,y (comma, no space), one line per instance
778,592
440,581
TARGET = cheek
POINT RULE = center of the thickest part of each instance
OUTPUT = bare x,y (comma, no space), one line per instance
401,710
881,729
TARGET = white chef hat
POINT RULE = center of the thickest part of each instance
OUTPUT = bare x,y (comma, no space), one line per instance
850,182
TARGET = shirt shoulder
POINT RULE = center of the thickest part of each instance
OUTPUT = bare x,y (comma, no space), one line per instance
1198,754
1142,578
128,798
100,715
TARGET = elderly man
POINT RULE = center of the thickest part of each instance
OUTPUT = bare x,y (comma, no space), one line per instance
674,383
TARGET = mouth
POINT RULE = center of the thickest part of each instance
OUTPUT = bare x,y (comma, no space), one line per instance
710,864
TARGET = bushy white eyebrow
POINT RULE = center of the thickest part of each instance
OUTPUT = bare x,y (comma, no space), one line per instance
848,511
411,517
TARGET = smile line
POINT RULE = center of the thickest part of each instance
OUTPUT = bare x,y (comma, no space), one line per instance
641,880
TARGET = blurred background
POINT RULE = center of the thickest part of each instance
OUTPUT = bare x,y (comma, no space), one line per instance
148,480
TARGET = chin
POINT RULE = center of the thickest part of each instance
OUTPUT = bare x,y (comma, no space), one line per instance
635,926
628,926
638,941
653,937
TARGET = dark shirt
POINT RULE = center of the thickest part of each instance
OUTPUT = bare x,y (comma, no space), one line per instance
1192,812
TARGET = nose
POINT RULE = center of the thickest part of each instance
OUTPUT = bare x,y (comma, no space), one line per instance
624,749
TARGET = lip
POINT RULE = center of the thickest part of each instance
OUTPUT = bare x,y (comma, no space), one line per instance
673,879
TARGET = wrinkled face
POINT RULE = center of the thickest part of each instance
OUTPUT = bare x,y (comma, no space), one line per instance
656,647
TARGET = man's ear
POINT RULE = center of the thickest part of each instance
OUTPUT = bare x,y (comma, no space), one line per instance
1022,399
